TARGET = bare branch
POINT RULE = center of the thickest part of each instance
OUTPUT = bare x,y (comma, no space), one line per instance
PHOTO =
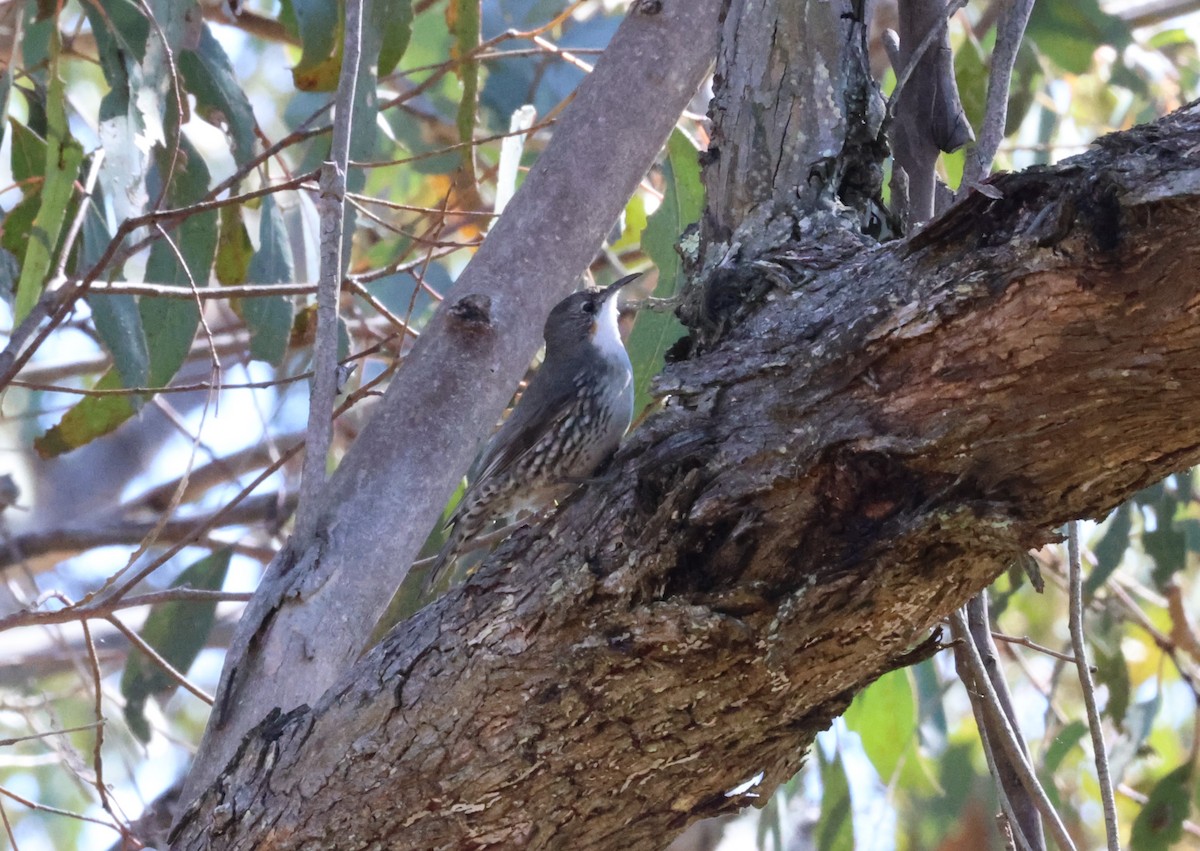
203,293
1010,29
1020,807
1009,741
332,209
1025,641
54,545
156,658
1079,644
929,115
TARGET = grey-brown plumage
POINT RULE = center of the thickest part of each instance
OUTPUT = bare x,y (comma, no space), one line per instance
566,425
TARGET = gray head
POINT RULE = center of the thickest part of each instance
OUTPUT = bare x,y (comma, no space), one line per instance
588,316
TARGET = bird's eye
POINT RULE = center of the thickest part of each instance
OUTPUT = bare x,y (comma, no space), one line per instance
589,307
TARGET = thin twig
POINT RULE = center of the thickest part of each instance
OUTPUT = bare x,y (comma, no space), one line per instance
568,56
165,516
914,59
84,201
180,104
424,155
198,386
203,293
194,293
332,205
1079,644
1020,810
155,657
397,229
101,609
1008,739
12,840
33,737
46,808
399,324
219,515
413,208
1032,645
1010,29
98,711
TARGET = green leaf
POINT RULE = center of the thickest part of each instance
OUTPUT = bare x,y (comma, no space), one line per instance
119,324
64,155
319,25
934,728
1066,741
1023,88
130,105
234,248
35,48
269,319
14,236
1111,668
1136,728
10,271
364,123
683,202
91,417
1110,549
177,631
1069,33
1168,547
464,19
1187,522
117,318
635,224
171,324
835,829
1160,823
397,30
971,75
5,93
28,156
885,717
209,76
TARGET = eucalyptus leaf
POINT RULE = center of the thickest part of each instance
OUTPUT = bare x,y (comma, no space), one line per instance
177,631
683,202
269,318
835,829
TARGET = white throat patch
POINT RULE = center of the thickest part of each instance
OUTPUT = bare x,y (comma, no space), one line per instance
606,333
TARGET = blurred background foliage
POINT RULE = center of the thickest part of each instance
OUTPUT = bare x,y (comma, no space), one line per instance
149,440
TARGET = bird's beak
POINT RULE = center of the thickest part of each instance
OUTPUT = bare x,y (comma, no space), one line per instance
614,288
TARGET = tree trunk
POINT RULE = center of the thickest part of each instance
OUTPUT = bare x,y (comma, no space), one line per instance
318,604
863,439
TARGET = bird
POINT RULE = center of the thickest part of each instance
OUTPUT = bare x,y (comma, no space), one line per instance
565,427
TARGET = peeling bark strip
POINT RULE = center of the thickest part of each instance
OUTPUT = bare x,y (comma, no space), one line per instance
860,454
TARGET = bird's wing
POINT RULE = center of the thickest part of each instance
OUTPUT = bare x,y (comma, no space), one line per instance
541,408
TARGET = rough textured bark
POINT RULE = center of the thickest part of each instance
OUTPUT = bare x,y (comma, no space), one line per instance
878,432
793,106
929,114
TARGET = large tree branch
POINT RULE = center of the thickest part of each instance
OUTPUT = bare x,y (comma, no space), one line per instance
315,610
796,118
878,436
